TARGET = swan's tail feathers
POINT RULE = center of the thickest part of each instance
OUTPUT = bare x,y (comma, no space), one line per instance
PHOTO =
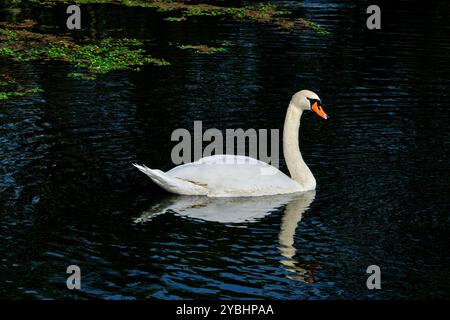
172,184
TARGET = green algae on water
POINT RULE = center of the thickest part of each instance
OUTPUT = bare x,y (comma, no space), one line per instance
202,49
88,59
175,19
5,95
9,88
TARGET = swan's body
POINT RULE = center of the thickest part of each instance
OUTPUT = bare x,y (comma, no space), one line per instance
224,176
240,176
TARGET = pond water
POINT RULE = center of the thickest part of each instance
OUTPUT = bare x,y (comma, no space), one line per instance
69,194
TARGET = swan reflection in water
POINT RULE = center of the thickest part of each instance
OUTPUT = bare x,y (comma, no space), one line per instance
244,210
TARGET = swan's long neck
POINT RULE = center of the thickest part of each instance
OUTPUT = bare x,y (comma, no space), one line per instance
297,167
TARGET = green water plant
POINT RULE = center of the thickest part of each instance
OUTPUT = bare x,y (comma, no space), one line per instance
88,59
5,95
175,19
10,88
312,25
202,48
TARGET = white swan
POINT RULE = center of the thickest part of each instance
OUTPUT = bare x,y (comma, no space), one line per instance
240,176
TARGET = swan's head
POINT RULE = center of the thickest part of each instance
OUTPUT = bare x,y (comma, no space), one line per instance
308,100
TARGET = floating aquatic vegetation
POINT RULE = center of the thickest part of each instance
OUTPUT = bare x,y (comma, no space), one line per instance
10,88
89,59
312,25
292,24
202,49
175,19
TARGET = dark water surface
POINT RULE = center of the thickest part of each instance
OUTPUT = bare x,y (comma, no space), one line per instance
69,194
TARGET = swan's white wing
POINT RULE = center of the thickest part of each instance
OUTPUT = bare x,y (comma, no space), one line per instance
235,176
171,184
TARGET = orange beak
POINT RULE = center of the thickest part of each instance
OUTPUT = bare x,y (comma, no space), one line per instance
318,109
